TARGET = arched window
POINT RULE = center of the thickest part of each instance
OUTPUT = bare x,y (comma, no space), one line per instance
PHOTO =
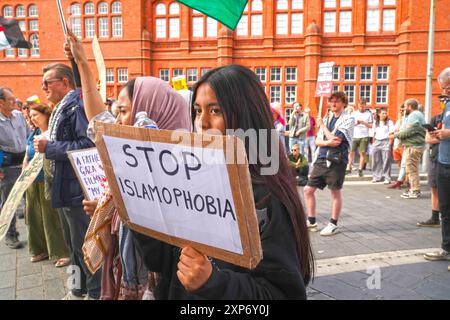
89,8
33,10
160,9
102,8
75,9
174,8
160,21
20,11
7,11
34,39
116,7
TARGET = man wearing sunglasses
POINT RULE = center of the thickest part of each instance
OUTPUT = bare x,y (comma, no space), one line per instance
13,141
66,132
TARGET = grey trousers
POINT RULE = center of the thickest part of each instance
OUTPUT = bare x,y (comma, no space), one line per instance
11,175
75,224
381,160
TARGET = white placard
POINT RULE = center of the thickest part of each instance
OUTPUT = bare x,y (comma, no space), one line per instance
89,170
325,72
177,190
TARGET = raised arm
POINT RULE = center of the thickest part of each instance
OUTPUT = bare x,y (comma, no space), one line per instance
93,104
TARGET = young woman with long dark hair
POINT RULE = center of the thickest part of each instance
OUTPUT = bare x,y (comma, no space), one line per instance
232,98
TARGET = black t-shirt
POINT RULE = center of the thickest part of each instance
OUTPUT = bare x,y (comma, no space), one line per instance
434,148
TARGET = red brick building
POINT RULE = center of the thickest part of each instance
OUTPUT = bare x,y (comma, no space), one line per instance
379,46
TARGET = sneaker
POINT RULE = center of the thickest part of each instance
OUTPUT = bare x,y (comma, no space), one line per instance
71,296
13,242
429,223
376,181
411,195
395,185
387,181
311,226
330,230
360,173
437,255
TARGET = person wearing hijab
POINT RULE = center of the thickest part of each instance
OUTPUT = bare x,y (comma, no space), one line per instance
169,111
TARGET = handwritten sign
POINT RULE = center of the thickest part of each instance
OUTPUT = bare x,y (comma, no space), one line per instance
181,191
325,79
25,180
89,170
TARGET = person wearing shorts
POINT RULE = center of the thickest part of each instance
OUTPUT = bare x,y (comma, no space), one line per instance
363,122
335,135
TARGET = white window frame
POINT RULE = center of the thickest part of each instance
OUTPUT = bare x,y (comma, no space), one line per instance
35,50
282,24
369,97
164,74
211,27
297,4
262,76
161,9
161,28
23,24
383,98
275,95
76,26
178,72
22,52
20,11
353,78
329,22
117,27
336,71
116,7
296,23
10,53
192,75
122,75
33,25
256,25
174,28
373,25
329,4
8,11
197,27
350,88
89,8
391,19
110,75
89,27
382,73
275,74
287,98
291,76
75,9
364,71
33,10
242,27
347,27
103,27
102,8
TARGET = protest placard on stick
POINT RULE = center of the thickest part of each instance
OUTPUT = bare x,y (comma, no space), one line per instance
89,170
184,189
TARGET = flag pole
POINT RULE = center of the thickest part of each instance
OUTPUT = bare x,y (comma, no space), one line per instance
76,72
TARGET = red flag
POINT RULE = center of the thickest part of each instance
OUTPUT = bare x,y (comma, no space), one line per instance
11,36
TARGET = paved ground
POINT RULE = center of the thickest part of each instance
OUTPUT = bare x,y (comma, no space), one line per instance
378,254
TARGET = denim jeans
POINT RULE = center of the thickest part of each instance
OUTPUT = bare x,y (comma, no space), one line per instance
134,272
11,175
443,185
75,223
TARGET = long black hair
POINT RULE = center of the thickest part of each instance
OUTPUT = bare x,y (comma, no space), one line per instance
245,106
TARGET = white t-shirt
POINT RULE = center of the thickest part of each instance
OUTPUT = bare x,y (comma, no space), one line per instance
361,131
383,130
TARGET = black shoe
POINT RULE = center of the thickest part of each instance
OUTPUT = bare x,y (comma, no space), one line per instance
13,242
429,223
21,215
360,173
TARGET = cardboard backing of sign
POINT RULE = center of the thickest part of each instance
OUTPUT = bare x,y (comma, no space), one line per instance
240,184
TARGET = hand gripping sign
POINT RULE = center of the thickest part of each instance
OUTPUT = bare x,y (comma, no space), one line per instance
184,189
